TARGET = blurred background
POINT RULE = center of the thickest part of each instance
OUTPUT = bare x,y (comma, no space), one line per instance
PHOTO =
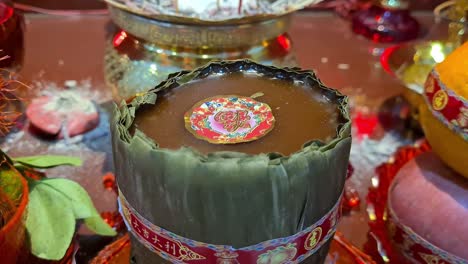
97,4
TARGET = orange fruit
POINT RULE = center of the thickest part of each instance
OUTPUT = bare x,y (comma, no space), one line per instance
444,115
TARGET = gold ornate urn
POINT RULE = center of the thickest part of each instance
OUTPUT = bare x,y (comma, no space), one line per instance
151,44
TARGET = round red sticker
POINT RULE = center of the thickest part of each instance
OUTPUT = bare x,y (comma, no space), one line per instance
229,119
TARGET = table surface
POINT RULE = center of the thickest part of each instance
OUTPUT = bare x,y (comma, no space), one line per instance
72,48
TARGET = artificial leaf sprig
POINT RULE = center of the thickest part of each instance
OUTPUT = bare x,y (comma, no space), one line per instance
54,206
47,161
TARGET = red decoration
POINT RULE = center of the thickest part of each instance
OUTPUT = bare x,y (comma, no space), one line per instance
379,244
351,199
6,12
174,248
385,25
365,124
62,114
108,180
385,57
119,38
284,42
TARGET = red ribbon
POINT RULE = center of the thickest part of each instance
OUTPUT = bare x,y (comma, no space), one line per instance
177,249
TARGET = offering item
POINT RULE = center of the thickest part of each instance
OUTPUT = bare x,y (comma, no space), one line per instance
416,204
235,162
63,114
427,208
444,116
145,50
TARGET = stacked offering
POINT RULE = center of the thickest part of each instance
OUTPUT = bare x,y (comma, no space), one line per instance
234,162
428,200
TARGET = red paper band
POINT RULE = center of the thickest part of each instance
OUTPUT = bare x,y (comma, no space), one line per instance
177,249
447,106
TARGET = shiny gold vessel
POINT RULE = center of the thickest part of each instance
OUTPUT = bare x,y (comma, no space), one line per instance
143,51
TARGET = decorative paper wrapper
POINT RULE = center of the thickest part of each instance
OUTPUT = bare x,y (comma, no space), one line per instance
211,10
386,231
450,108
177,249
230,198
229,119
341,252
415,248
118,251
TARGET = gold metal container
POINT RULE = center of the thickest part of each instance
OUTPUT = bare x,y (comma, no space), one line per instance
146,50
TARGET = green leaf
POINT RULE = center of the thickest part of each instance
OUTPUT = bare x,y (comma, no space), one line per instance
98,226
48,161
50,222
81,204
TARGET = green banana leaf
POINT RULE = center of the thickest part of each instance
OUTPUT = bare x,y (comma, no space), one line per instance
230,198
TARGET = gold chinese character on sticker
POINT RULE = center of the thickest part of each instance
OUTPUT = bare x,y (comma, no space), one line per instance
313,238
440,100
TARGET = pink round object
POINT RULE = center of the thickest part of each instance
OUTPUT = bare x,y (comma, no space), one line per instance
431,200
65,113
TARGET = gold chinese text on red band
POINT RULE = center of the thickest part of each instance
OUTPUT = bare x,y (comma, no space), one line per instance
177,249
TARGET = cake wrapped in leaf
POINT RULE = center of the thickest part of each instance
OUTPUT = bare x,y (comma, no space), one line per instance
444,116
234,162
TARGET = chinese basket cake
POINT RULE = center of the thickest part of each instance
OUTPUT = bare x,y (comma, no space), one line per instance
234,162
444,117
427,212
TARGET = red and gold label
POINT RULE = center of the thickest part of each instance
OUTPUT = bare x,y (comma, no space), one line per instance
448,107
176,249
229,119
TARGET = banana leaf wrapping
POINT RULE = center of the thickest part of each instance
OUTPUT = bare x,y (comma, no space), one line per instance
229,198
